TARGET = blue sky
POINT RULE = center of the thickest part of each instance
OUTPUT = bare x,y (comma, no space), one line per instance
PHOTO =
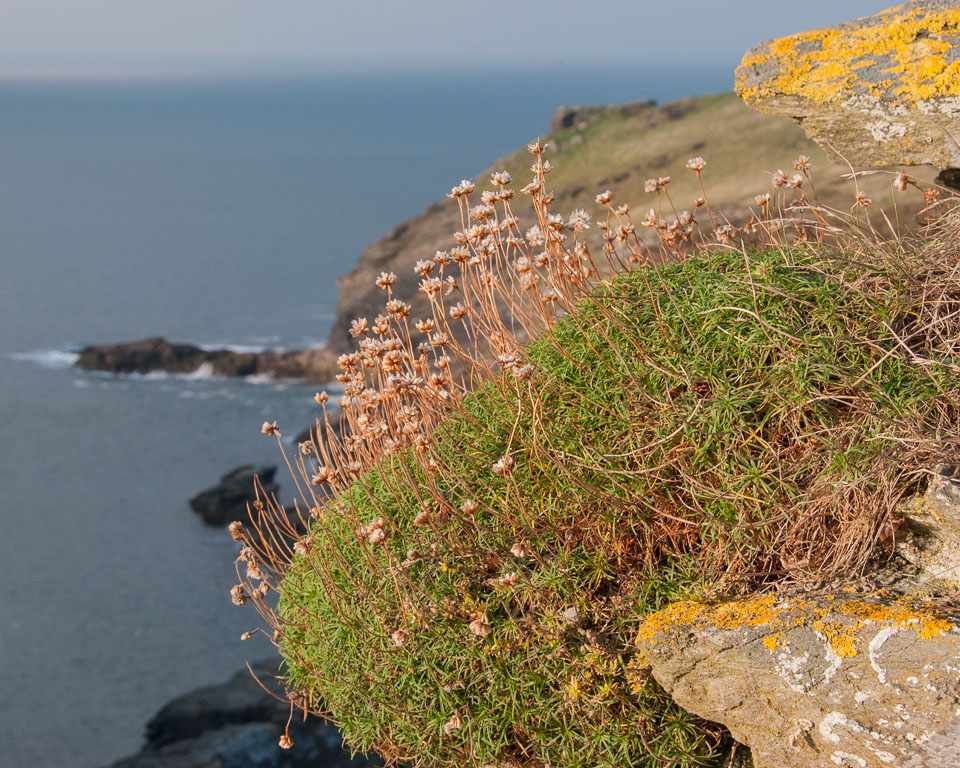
130,36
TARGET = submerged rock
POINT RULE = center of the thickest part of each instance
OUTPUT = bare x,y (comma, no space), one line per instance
881,90
238,725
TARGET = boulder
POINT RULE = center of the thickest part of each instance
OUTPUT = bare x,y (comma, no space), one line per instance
882,90
227,501
238,725
817,680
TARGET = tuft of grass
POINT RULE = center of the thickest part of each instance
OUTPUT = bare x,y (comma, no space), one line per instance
573,440
691,429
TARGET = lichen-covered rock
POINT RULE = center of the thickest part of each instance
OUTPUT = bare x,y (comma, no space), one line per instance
931,539
883,90
817,680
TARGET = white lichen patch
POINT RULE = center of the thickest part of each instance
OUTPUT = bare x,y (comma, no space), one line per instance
948,105
790,669
830,722
833,659
860,697
884,131
845,758
874,650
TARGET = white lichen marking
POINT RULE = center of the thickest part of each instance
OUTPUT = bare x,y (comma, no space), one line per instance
883,131
845,758
829,723
860,697
834,660
874,649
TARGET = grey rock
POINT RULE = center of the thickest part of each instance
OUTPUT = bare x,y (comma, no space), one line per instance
227,501
816,679
158,354
932,540
238,725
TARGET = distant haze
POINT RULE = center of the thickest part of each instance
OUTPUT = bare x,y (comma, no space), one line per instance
183,37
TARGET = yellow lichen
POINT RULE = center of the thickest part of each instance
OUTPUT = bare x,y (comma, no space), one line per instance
839,622
821,65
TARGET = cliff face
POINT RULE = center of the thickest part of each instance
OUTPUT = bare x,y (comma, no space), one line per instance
618,147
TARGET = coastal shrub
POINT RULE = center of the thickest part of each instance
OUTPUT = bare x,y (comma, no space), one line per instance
697,422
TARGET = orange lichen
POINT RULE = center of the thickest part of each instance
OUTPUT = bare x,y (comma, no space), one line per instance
821,65
839,622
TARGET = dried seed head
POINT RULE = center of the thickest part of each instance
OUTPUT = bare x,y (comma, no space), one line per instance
900,182
236,530
237,595
796,181
604,197
762,200
424,268
285,741
696,164
520,550
453,724
321,397
359,327
779,178
468,507
399,637
480,626
802,164
270,428
502,466
423,517
501,178
386,279
578,220
508,579
650,185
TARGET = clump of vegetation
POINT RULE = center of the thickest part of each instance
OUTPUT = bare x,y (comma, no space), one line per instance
578,442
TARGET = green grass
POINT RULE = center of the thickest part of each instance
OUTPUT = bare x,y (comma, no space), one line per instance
702,429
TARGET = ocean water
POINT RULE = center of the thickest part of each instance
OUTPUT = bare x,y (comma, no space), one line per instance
212,212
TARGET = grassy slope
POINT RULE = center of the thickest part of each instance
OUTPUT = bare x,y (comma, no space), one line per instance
742,148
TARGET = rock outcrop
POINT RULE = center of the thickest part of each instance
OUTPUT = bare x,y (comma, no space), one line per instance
238,725
157,354
824,679
932,533
582,117
882,90
227,501
817,680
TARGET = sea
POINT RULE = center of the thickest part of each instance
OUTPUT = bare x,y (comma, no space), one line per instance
218,212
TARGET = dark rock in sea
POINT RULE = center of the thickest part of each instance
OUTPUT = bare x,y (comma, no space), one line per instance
238,725
158,354
227,501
